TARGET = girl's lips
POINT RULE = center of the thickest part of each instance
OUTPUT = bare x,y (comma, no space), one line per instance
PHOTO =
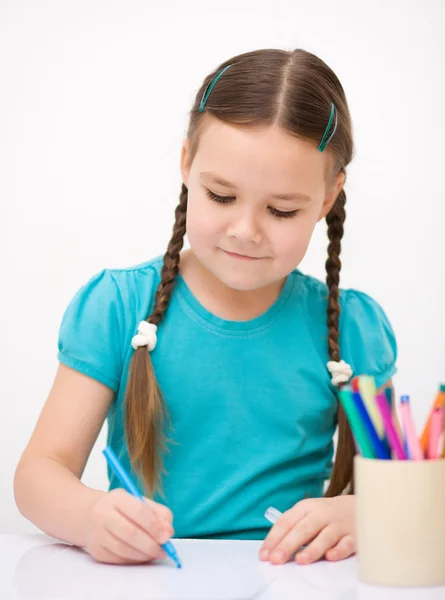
241,256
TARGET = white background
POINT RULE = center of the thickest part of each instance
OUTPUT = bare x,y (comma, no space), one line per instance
94,99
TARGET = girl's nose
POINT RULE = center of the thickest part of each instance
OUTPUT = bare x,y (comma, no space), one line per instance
245,228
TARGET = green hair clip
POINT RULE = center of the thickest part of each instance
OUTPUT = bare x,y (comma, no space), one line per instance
210,87
323,142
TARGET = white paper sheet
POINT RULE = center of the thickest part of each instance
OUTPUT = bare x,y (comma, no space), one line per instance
212,570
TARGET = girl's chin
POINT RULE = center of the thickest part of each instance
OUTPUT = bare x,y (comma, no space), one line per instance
242,282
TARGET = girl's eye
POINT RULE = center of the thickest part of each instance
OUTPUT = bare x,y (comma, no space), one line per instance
279,214
222,199
282,214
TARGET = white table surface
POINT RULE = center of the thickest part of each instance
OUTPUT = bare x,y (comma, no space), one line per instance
37,566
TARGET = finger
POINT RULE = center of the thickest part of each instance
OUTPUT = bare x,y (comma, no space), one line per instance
346,547
143,515
103,555
162,511
281,528
327,538
137,538
303,532
121,549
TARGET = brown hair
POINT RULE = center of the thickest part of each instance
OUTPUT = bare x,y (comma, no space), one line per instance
293,90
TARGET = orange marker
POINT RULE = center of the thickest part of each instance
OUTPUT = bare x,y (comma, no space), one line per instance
439,403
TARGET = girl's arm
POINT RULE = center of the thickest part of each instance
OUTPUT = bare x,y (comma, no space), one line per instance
47,485
325,525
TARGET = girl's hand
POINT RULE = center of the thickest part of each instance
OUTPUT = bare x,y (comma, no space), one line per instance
120,529
325,525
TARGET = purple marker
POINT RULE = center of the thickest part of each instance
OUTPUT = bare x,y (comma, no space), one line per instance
390,430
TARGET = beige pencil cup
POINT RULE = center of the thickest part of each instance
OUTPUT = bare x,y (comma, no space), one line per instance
400,516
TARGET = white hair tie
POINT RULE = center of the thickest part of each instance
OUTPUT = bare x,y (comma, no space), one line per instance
146,336
341,372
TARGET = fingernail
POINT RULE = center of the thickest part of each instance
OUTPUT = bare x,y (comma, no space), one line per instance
302,557
277,556
264,554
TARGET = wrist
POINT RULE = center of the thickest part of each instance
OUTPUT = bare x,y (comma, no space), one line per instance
92,496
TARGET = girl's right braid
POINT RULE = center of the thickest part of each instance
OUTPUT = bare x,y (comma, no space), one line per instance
170,268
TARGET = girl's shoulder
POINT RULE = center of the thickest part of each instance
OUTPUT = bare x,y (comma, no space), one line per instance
356,303
123,285
140,274
98,322
366,337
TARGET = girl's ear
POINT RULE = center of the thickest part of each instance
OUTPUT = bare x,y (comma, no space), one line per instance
185,161
331,195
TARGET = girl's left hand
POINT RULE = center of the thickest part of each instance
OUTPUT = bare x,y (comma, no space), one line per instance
325,525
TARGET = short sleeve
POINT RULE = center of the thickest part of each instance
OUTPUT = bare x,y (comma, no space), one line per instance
91,330
367,340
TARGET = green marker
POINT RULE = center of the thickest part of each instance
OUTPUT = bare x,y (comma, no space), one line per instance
355,422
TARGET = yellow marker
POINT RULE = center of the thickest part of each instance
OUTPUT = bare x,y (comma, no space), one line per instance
366,386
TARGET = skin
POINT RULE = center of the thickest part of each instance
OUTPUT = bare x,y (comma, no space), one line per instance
326,526
260,163
113,526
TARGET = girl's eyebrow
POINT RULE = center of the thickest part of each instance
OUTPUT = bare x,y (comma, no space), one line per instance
218,179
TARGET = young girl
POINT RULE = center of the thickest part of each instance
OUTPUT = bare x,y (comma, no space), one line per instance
217,367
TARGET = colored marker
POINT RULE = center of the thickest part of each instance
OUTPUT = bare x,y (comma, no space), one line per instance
404,440
436,427
366,387
272,514
443,439
412,441
438,403
355,422
392,435
389,393
355,384
379,449
124,478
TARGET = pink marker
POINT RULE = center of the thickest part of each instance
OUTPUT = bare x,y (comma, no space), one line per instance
409,429
436,425
390,430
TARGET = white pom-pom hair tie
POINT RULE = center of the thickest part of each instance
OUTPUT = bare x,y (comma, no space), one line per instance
341,372
146,336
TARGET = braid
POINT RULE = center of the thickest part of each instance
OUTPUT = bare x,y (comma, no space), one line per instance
145,406
170,268
342,473
335,220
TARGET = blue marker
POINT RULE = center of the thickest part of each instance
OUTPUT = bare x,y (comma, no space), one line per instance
118,469
405,440
377,444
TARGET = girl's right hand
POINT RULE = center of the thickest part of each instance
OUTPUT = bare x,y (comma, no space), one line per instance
120,529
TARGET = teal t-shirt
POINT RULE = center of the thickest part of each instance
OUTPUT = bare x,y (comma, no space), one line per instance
252,407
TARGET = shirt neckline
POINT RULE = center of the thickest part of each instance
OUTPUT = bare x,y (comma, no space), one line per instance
219,323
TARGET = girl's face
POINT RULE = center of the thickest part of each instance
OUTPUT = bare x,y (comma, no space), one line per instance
254,198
